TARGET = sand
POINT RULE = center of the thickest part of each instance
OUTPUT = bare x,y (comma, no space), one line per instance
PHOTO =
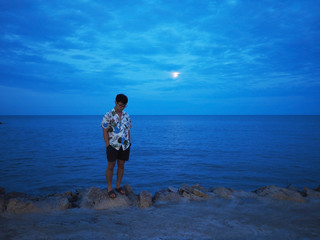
207,219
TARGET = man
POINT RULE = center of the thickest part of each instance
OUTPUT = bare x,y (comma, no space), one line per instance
116,126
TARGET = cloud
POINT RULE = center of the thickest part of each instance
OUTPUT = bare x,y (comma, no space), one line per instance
223,48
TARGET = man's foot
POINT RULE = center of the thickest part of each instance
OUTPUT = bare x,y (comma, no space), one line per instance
112,194
121,191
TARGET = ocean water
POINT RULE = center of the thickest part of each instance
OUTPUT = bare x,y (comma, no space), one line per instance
46,154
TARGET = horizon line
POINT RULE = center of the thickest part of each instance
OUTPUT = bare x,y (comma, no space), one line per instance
8,115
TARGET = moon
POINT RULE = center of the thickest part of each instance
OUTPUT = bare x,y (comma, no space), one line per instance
175,74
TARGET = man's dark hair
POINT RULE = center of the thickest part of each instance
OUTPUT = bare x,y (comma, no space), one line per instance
122,98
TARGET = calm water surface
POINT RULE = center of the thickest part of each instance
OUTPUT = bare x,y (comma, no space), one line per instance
45,154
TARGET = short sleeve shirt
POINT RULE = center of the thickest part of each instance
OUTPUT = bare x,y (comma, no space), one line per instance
118,129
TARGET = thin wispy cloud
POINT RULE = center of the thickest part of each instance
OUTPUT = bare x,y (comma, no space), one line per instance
222,49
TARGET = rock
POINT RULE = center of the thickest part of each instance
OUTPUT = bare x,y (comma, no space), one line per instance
97,198
2,204
57,201
318,188
54,203
196,192
18,195
173,189
186,195
145,199
2,199
166,196
293,188
21,205
191,197
310,193
131,195
73,198
45,204
185,188
128,189
200,193
222,192
197,186
244,194
280,193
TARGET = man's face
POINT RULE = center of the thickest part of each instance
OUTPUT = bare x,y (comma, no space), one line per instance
120,106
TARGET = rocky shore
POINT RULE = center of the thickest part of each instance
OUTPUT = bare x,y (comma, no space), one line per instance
97,198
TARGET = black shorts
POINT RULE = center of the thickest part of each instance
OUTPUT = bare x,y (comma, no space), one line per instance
114,154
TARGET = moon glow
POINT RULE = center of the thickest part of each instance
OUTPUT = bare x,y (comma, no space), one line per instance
175,74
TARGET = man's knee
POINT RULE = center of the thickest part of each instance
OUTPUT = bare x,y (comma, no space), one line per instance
121,165
110,166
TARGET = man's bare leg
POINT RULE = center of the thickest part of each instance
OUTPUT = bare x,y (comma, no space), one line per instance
120,173
109,174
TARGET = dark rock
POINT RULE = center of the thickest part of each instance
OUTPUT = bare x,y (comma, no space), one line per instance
310,193
197,186
173,189
280,193
165,195
244,194
73,198
185,188
2,203
54,203
318,188
145,199
98,199
17,195
187,195
127,188
196,192
293,188
200,193
2,199
222,192
131,195
191,196
21,205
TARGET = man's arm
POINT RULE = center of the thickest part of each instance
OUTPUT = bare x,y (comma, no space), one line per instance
105,136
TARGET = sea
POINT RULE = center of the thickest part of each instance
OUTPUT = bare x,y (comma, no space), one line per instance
49,154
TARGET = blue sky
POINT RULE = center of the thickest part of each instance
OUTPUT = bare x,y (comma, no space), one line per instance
233,56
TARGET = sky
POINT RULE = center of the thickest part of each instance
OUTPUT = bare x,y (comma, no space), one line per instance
171,57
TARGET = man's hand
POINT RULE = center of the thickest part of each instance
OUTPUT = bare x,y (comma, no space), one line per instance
105,136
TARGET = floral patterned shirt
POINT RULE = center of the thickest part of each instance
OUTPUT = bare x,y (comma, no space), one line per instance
118,129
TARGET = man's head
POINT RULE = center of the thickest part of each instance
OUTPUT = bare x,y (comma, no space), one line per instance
121,101
121,98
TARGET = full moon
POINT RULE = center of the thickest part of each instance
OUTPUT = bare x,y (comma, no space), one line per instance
175,74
